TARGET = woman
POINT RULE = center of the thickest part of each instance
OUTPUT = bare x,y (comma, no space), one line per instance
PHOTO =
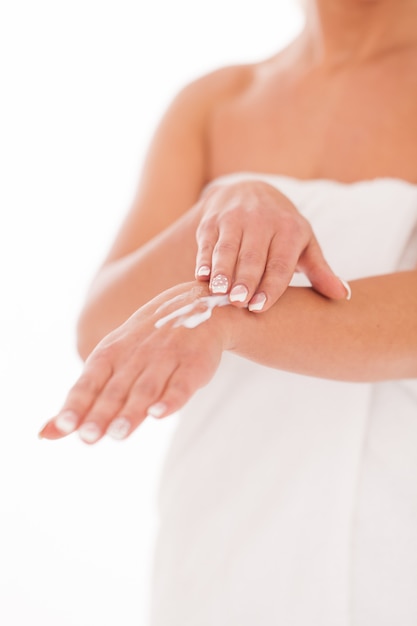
289,493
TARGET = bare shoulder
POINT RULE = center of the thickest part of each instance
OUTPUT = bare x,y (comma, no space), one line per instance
178,156
186,122
201,95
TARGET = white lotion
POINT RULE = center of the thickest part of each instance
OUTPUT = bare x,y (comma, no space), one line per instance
188,315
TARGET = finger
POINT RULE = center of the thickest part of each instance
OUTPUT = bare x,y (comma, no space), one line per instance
281,263
144,392
250,266
50,431
320,274
80,397
207,235
108,404
178,390
225,256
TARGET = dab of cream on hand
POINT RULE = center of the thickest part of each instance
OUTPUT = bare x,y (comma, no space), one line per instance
194,314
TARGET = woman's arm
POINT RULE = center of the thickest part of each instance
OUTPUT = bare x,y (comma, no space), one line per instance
154,248
372,337
143,368
251,234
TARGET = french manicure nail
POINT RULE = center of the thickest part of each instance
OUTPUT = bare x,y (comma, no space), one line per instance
119,428
219,284
204,270
89,432
66,422
347,287
239,293
257,303
157,410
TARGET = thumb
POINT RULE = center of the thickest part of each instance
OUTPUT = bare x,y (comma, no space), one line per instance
313,264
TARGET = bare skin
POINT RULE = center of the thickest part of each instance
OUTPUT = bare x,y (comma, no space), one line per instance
140,370
339,103
251,239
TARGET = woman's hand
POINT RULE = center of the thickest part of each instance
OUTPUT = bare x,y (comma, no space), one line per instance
139,369
251,240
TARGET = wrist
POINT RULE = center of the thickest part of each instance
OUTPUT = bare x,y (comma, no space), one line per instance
228,321
191,305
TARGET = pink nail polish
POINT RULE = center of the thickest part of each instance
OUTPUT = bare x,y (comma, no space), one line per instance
257,303
219,284
239,293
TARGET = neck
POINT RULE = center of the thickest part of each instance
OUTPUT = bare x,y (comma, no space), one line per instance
339,32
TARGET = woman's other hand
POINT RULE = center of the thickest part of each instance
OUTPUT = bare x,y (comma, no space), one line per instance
140,369
251,239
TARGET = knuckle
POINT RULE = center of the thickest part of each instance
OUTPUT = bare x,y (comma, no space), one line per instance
233,216
251,257
104,349
207,226
205,247
145,388
301,227
273,288
86,385
180,388
293,223
279,266
102,356
115,393
225,248
296,231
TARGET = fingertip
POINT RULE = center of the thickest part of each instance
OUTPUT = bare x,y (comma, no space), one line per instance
43,430
321,275
239,294
257,303
339,289
119,428
90,432
157,410
66,421
203,272
49,431
348,290
331,286
219,284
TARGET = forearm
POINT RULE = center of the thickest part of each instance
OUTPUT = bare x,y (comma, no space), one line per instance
372,337
124,285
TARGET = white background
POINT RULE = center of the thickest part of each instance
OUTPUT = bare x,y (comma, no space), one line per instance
83,84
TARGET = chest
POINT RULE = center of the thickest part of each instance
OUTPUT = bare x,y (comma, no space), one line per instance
347,127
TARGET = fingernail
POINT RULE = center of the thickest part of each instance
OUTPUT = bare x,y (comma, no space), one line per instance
119,428
239,293
219,284
347,287
257,303
89,432
204,270
66,422
157,410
